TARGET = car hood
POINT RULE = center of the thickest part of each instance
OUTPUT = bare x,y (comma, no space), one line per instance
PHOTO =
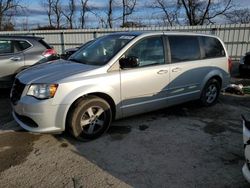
52,71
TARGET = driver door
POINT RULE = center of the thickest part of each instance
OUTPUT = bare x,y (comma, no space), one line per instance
143,88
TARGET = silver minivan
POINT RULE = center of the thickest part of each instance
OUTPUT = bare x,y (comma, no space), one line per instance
119,75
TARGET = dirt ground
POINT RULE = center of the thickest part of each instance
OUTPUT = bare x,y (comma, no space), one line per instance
181,146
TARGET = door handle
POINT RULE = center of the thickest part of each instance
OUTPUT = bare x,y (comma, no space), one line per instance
15,58
162,72
177,69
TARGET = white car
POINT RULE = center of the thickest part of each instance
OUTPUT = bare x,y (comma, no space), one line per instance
246,140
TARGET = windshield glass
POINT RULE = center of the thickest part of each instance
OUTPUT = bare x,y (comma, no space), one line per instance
100,51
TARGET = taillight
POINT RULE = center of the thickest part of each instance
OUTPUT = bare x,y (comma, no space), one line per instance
49,52
230,65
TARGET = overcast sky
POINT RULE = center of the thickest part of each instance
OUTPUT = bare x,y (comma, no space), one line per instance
35,13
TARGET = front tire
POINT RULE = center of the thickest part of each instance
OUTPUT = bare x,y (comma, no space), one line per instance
90,118
210,92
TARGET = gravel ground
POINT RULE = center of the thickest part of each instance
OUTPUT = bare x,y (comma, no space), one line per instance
181,146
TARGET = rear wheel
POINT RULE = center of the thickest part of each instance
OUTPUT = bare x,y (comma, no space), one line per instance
90,118
210,93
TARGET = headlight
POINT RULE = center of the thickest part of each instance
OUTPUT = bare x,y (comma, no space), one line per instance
42,91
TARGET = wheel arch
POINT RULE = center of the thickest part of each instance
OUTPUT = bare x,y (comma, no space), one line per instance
218,78
212,75
101,95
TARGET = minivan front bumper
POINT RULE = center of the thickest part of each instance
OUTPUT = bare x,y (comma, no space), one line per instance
40,116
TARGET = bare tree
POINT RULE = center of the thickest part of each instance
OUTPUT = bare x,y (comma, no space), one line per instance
57,11
170,10
110,13
47,4
239,16
106,19
7,6
128,7
84,10
69,13
25,24
101,19
199,12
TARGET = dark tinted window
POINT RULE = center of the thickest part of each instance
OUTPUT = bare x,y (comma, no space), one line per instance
184,48
22,45
212,47
6,46
149,51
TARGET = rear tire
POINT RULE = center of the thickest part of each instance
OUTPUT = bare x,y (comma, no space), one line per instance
210,92
90,118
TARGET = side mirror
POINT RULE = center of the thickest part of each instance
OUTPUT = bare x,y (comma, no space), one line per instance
129,62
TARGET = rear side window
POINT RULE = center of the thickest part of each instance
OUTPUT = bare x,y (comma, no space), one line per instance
22,45
6,46
212,47
184,48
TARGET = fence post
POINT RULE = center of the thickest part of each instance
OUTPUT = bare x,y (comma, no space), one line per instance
94,35
62,42
213,31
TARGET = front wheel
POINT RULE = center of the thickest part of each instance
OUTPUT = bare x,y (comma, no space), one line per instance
90,118
210,93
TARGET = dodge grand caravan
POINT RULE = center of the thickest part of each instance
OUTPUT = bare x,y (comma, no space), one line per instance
116,76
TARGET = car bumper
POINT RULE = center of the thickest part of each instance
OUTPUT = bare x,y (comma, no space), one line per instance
40,116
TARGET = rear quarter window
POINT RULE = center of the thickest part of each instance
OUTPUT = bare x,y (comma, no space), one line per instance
212,47
184,48
23,45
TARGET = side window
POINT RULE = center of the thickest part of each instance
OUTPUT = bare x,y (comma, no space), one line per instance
22,45
149,51
212,47
6,46
184,48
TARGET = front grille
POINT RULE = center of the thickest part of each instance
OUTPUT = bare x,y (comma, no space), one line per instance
16,92
27,121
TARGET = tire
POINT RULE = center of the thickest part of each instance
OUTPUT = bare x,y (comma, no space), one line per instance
89,118
210,92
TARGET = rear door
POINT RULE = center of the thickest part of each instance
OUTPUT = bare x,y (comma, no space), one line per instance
11,59
143,88
186,69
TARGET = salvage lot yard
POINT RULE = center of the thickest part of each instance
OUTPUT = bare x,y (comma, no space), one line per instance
181,146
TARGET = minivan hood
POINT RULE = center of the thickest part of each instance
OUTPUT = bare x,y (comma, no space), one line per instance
52,71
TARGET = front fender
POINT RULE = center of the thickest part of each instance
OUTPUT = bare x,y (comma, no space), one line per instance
85,90
69,92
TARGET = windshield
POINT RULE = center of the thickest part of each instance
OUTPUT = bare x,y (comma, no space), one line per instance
100,51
